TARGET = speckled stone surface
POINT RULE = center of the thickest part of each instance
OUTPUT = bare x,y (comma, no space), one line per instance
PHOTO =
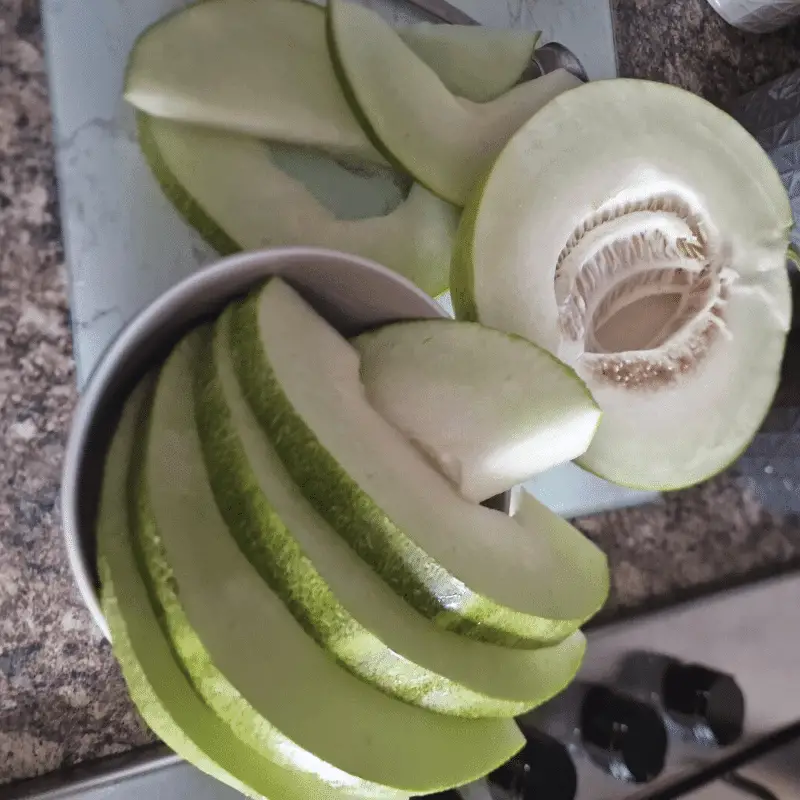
61,696
686,43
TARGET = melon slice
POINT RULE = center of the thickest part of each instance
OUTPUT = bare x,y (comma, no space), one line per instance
639,234
472,61
470,569
489,409
446,143
333,593
157,685
260,68
231,188
285,684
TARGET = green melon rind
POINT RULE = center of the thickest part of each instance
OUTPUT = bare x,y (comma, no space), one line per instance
355,108
277,555
341,502
217,692
157,684
191,211
462,287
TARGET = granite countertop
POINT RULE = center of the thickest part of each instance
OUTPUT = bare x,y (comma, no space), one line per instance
62,699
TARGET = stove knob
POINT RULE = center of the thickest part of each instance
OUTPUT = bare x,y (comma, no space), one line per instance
542,770
624,736
709,702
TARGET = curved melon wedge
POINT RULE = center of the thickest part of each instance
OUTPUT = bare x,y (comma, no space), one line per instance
157,685
321,714
472,61
446,143
471,570
491,410
333,593
230,189
639,234
255,67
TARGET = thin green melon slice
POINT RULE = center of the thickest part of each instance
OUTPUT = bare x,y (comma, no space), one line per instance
489,409
158,686
260,68
639,234
230,189
333,593
472,61
325,719
446,143
471,570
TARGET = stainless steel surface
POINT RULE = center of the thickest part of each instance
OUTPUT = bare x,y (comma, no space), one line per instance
749,633
153,773
547,58
442,10
553,56
352,293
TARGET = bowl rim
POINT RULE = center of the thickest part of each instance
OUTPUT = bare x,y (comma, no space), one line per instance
125,344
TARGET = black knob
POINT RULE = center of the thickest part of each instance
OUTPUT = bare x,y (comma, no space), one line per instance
709,702
624,736
542,770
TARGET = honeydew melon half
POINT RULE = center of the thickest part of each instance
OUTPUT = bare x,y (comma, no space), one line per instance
158,686
333,593
446,143
472,570
473,61
322,718
639,234
232,189
511,409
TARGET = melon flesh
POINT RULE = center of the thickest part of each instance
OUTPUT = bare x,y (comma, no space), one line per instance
489,409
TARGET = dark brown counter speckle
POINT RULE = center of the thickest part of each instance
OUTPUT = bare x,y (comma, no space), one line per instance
61,696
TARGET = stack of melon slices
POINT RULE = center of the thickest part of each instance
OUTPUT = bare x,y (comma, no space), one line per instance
302,605
304,593
246,125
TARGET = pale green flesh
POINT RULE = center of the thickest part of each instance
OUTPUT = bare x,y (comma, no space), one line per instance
253,640
470,569
473,62
446,143
602,146
229,189
335,595
491,410
157,684
259,68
